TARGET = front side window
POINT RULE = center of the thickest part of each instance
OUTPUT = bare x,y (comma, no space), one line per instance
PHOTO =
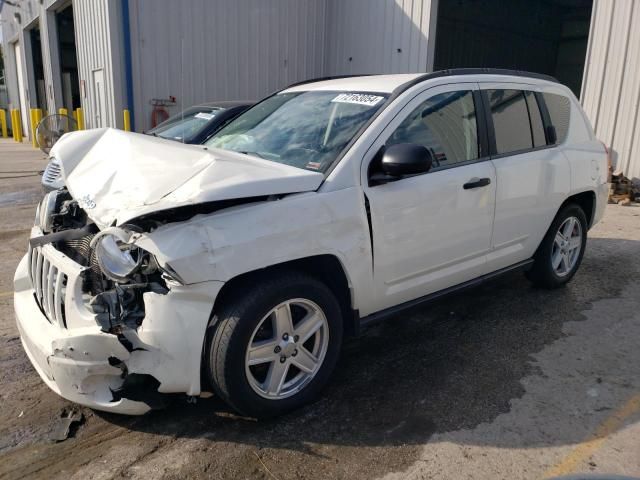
446,125
510,120
303,129
559,108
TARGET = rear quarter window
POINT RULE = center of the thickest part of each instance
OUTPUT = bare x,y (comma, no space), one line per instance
559,108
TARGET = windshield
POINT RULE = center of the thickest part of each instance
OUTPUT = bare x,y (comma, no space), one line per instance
302,129
186,125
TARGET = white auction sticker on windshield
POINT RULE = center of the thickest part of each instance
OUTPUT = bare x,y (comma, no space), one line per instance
358,98
205,116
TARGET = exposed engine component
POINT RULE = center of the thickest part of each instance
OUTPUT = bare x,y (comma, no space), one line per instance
58,211
118,272
123,307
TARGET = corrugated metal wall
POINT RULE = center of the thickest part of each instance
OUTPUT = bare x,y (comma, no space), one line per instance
204,50
380,36
99,37
29,13
99,46
201,50
11,33
611,85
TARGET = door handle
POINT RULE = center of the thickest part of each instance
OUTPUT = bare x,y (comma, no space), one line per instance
476,183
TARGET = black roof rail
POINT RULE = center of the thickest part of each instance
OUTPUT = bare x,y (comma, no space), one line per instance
492,71
438,74
470,71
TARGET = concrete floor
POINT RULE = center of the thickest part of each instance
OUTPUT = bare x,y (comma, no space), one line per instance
504,381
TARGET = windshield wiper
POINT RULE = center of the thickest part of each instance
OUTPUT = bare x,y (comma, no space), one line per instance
255,154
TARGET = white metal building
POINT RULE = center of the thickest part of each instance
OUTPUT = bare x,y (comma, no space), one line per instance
108,55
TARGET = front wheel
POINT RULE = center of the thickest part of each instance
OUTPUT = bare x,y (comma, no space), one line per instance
560,253
273,346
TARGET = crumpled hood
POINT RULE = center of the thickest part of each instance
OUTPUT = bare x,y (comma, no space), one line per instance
117,175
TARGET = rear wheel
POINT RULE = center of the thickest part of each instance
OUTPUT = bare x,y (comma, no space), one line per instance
273,347
560,253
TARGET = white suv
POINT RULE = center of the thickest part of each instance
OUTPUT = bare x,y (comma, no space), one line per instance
326,206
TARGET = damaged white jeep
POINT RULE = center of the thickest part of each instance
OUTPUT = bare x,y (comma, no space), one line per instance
241,264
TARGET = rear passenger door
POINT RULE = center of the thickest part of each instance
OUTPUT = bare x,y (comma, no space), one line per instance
532,176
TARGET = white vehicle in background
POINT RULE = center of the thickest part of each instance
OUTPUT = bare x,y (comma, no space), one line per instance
52,175
324,207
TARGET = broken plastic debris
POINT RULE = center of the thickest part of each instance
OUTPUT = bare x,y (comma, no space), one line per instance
63,427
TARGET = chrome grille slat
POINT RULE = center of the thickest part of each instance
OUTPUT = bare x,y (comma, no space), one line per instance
52,176
30,263
51,277
49,283
38,276
58,298
52,172
44,282
34,261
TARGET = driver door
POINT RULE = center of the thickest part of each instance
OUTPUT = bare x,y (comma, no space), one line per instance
432,231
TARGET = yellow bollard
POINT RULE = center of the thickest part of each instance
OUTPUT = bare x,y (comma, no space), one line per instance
36,117
63,111
19,125
3,123
40,114
12,112
32,126
16,123
127,121
80,118
14,127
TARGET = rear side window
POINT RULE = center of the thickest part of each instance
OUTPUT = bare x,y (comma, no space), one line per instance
559,108
537,127
446,125
510,120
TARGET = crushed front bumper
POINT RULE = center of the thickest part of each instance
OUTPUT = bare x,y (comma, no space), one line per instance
73,363
85,365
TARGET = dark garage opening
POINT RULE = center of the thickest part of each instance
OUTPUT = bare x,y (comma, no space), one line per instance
38,68
68,60
544,36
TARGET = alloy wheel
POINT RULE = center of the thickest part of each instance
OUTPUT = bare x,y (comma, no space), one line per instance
286,349
566,246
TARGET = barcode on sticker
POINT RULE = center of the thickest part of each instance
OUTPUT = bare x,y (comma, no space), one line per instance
359,98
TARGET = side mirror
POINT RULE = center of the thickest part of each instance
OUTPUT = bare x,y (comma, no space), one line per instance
406,159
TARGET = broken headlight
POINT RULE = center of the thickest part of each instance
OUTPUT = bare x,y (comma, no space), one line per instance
116,256
44,212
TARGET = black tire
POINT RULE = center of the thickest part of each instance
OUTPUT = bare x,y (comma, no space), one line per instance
233,325
542,273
